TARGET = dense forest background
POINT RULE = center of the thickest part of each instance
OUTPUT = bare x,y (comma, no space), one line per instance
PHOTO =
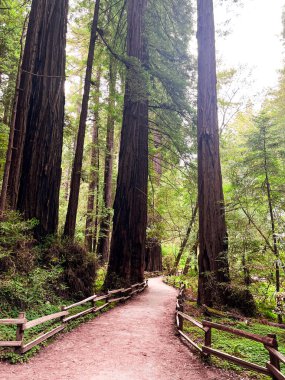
62,251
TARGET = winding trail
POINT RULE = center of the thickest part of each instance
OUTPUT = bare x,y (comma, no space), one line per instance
135,341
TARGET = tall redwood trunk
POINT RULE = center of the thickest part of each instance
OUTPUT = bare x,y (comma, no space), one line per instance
70,222
127,254
213,243
3,198
104,239
36,165
26,81
94,175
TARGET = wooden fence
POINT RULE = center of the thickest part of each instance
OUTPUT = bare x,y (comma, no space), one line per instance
271,369
63,317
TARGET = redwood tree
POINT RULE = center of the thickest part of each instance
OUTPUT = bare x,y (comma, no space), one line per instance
70,222
104,239
213,243
94,175
127,253
36,160
7,168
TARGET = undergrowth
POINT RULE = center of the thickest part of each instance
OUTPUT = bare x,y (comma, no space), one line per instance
234,345
38,278
8,332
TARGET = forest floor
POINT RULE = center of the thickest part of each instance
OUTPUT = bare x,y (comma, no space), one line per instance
135,341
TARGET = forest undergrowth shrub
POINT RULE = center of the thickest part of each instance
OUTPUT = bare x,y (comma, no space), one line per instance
33,275
100,277
246,349
226,295
167,262
32,290
79,267
236,297
17,253
176,281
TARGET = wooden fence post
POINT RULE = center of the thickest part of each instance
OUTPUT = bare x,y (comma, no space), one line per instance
208,339
179,320
64,316
20,332
274,361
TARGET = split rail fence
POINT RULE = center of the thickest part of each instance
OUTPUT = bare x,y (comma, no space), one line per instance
271,369
63,317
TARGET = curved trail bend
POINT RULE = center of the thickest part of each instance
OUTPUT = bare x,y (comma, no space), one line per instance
135,341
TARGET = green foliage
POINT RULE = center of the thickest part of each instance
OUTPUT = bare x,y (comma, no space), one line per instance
100,278
33,275
36,288
17,255
176,281
78,267
8,332
243,348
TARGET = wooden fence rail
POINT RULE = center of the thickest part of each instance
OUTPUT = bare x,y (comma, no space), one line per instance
63,317
271,369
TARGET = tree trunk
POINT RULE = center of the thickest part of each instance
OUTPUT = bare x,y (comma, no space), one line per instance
186,238
70,222
36,166
96,219
194,251
127,252
6,174
7,109
104,239
74,139
157,157
153,256
94,175
24,98
246,274
213,241
272,219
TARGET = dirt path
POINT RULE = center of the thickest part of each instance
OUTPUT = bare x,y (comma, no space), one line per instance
135,341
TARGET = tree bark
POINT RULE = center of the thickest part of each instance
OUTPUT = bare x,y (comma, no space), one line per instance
153,256
94,175
70,222
7,167
272,218
127,254
97,203
36,165
194,251
246,274
104,239
213,241
24,99
157,157
186,238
